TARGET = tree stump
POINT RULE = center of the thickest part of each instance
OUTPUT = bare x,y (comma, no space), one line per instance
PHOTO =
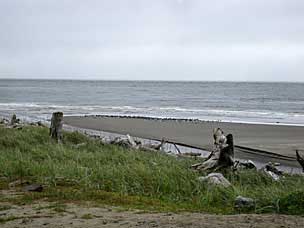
56,126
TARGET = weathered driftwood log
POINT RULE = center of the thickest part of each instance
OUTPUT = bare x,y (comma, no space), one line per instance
177,149
121,142
130,142
211,162
271,171
191,154
227,153
219,137
157,146
127,142
222,154
244,165
300,159
56,126
4,121
272,168
147,148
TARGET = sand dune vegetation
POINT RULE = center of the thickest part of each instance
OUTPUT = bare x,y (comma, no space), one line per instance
82,169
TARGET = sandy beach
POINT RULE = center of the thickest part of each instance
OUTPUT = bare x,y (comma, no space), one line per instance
257,139
41,214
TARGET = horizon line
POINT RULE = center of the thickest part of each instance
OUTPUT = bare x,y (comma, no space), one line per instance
143,80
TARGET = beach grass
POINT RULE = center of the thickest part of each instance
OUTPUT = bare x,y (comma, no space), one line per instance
82,169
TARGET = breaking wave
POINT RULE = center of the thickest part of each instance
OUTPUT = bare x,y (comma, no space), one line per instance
42,111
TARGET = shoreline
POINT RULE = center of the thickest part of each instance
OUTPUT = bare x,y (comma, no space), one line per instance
160,117
47,119
186,119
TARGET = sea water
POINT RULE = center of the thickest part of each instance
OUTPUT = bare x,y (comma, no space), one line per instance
250,102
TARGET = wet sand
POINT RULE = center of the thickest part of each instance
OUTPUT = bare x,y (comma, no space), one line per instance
278,139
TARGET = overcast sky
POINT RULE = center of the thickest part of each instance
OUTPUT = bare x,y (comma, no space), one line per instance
256,40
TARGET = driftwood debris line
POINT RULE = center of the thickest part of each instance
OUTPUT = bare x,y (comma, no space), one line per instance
178,150
179,144
184,148
242,148
300,159
112,135
264,152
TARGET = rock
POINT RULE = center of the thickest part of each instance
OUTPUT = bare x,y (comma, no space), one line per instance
33,188
244,202
216,179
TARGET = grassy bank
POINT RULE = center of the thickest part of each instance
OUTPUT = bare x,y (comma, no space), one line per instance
108,174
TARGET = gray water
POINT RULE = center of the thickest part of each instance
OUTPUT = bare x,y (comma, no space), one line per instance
272,103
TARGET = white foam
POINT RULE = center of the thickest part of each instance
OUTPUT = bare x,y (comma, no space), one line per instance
44,110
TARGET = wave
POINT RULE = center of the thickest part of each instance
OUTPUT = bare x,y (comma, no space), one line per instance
38,111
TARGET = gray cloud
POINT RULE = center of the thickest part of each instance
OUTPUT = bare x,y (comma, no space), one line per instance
159,39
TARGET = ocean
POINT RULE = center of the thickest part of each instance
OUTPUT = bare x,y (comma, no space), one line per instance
248,102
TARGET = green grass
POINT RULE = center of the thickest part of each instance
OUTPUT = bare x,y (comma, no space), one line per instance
7,219
87,216
107,174
5,207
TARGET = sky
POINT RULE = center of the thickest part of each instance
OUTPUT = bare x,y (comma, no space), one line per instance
213,40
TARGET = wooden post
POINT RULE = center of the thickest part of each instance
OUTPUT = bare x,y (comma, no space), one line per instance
14,120
56,126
